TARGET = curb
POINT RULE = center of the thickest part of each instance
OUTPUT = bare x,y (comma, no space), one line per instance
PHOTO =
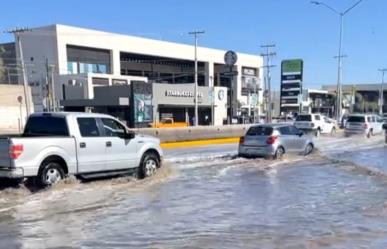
172,145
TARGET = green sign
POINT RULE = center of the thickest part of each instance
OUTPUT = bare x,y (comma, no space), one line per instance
292,66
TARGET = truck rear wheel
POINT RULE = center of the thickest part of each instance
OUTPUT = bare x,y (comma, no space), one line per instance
50,174
149,165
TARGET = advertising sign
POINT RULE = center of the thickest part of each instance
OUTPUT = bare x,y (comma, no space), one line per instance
141,104
291,85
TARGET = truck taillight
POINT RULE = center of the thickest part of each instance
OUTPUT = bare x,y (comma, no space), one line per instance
15,150
241,140
271,139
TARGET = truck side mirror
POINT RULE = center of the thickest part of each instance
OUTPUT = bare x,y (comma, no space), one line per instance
129,134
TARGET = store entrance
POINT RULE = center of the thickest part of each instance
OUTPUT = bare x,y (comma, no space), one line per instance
186,114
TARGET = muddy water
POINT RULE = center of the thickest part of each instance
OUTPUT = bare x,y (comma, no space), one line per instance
207,198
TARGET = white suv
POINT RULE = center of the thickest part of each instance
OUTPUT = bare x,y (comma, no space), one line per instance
363,124
315,123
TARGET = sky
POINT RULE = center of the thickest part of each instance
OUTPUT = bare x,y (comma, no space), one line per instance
298,28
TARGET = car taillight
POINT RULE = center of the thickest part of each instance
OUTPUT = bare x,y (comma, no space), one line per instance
365,126
15,151
271,139
241,140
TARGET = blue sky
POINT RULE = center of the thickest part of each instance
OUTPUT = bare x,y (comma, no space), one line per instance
298,28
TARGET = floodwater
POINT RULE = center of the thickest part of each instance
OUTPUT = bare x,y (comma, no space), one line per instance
207,198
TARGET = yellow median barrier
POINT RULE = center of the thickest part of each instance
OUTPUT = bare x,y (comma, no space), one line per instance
183,144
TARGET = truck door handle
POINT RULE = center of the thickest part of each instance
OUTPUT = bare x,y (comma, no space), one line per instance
82,145
108,144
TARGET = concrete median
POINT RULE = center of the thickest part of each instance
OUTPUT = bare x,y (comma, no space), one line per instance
200,133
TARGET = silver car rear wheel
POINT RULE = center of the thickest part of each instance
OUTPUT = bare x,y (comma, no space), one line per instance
308,149
279,153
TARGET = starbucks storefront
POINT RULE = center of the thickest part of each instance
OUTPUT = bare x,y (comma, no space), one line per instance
177,101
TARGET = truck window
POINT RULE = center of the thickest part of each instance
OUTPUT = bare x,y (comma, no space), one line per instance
112,128
88,127
304,118
46,126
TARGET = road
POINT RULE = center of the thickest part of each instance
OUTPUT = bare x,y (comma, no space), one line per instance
205,197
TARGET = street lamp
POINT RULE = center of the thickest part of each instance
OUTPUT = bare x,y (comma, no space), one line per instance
339,67
381,94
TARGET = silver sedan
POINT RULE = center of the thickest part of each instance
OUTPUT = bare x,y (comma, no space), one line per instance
274,140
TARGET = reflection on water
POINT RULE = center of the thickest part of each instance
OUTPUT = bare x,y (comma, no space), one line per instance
225,202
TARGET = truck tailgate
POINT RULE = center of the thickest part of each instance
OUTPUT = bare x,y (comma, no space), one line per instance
5,161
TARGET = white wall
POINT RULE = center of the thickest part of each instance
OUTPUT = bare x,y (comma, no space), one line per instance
220,110
12,113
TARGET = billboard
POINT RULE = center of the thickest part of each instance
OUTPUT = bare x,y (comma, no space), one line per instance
291,86
141,104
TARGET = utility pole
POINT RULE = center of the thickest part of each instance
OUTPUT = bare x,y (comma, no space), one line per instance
17,33
195,34
53,96
339,87
48,94
381,94
268,55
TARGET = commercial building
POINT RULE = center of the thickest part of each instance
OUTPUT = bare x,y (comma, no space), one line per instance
58,56
313,101
361,97
140,103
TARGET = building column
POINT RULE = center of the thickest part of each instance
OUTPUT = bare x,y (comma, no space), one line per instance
209,74
115,66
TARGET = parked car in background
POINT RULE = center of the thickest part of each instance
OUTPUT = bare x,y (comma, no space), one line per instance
363,124
315,123
55,145
274,140
168,123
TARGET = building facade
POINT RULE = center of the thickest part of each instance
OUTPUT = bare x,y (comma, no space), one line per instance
361,98
60,55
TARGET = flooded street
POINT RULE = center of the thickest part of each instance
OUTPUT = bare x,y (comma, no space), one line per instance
205,197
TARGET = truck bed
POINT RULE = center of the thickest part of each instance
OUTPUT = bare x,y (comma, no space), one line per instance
33,147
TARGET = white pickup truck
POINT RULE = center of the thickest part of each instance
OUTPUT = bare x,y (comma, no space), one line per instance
88,145
315,123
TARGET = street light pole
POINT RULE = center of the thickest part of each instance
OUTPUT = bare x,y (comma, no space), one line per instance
339,68
195,34
381,94
339,64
